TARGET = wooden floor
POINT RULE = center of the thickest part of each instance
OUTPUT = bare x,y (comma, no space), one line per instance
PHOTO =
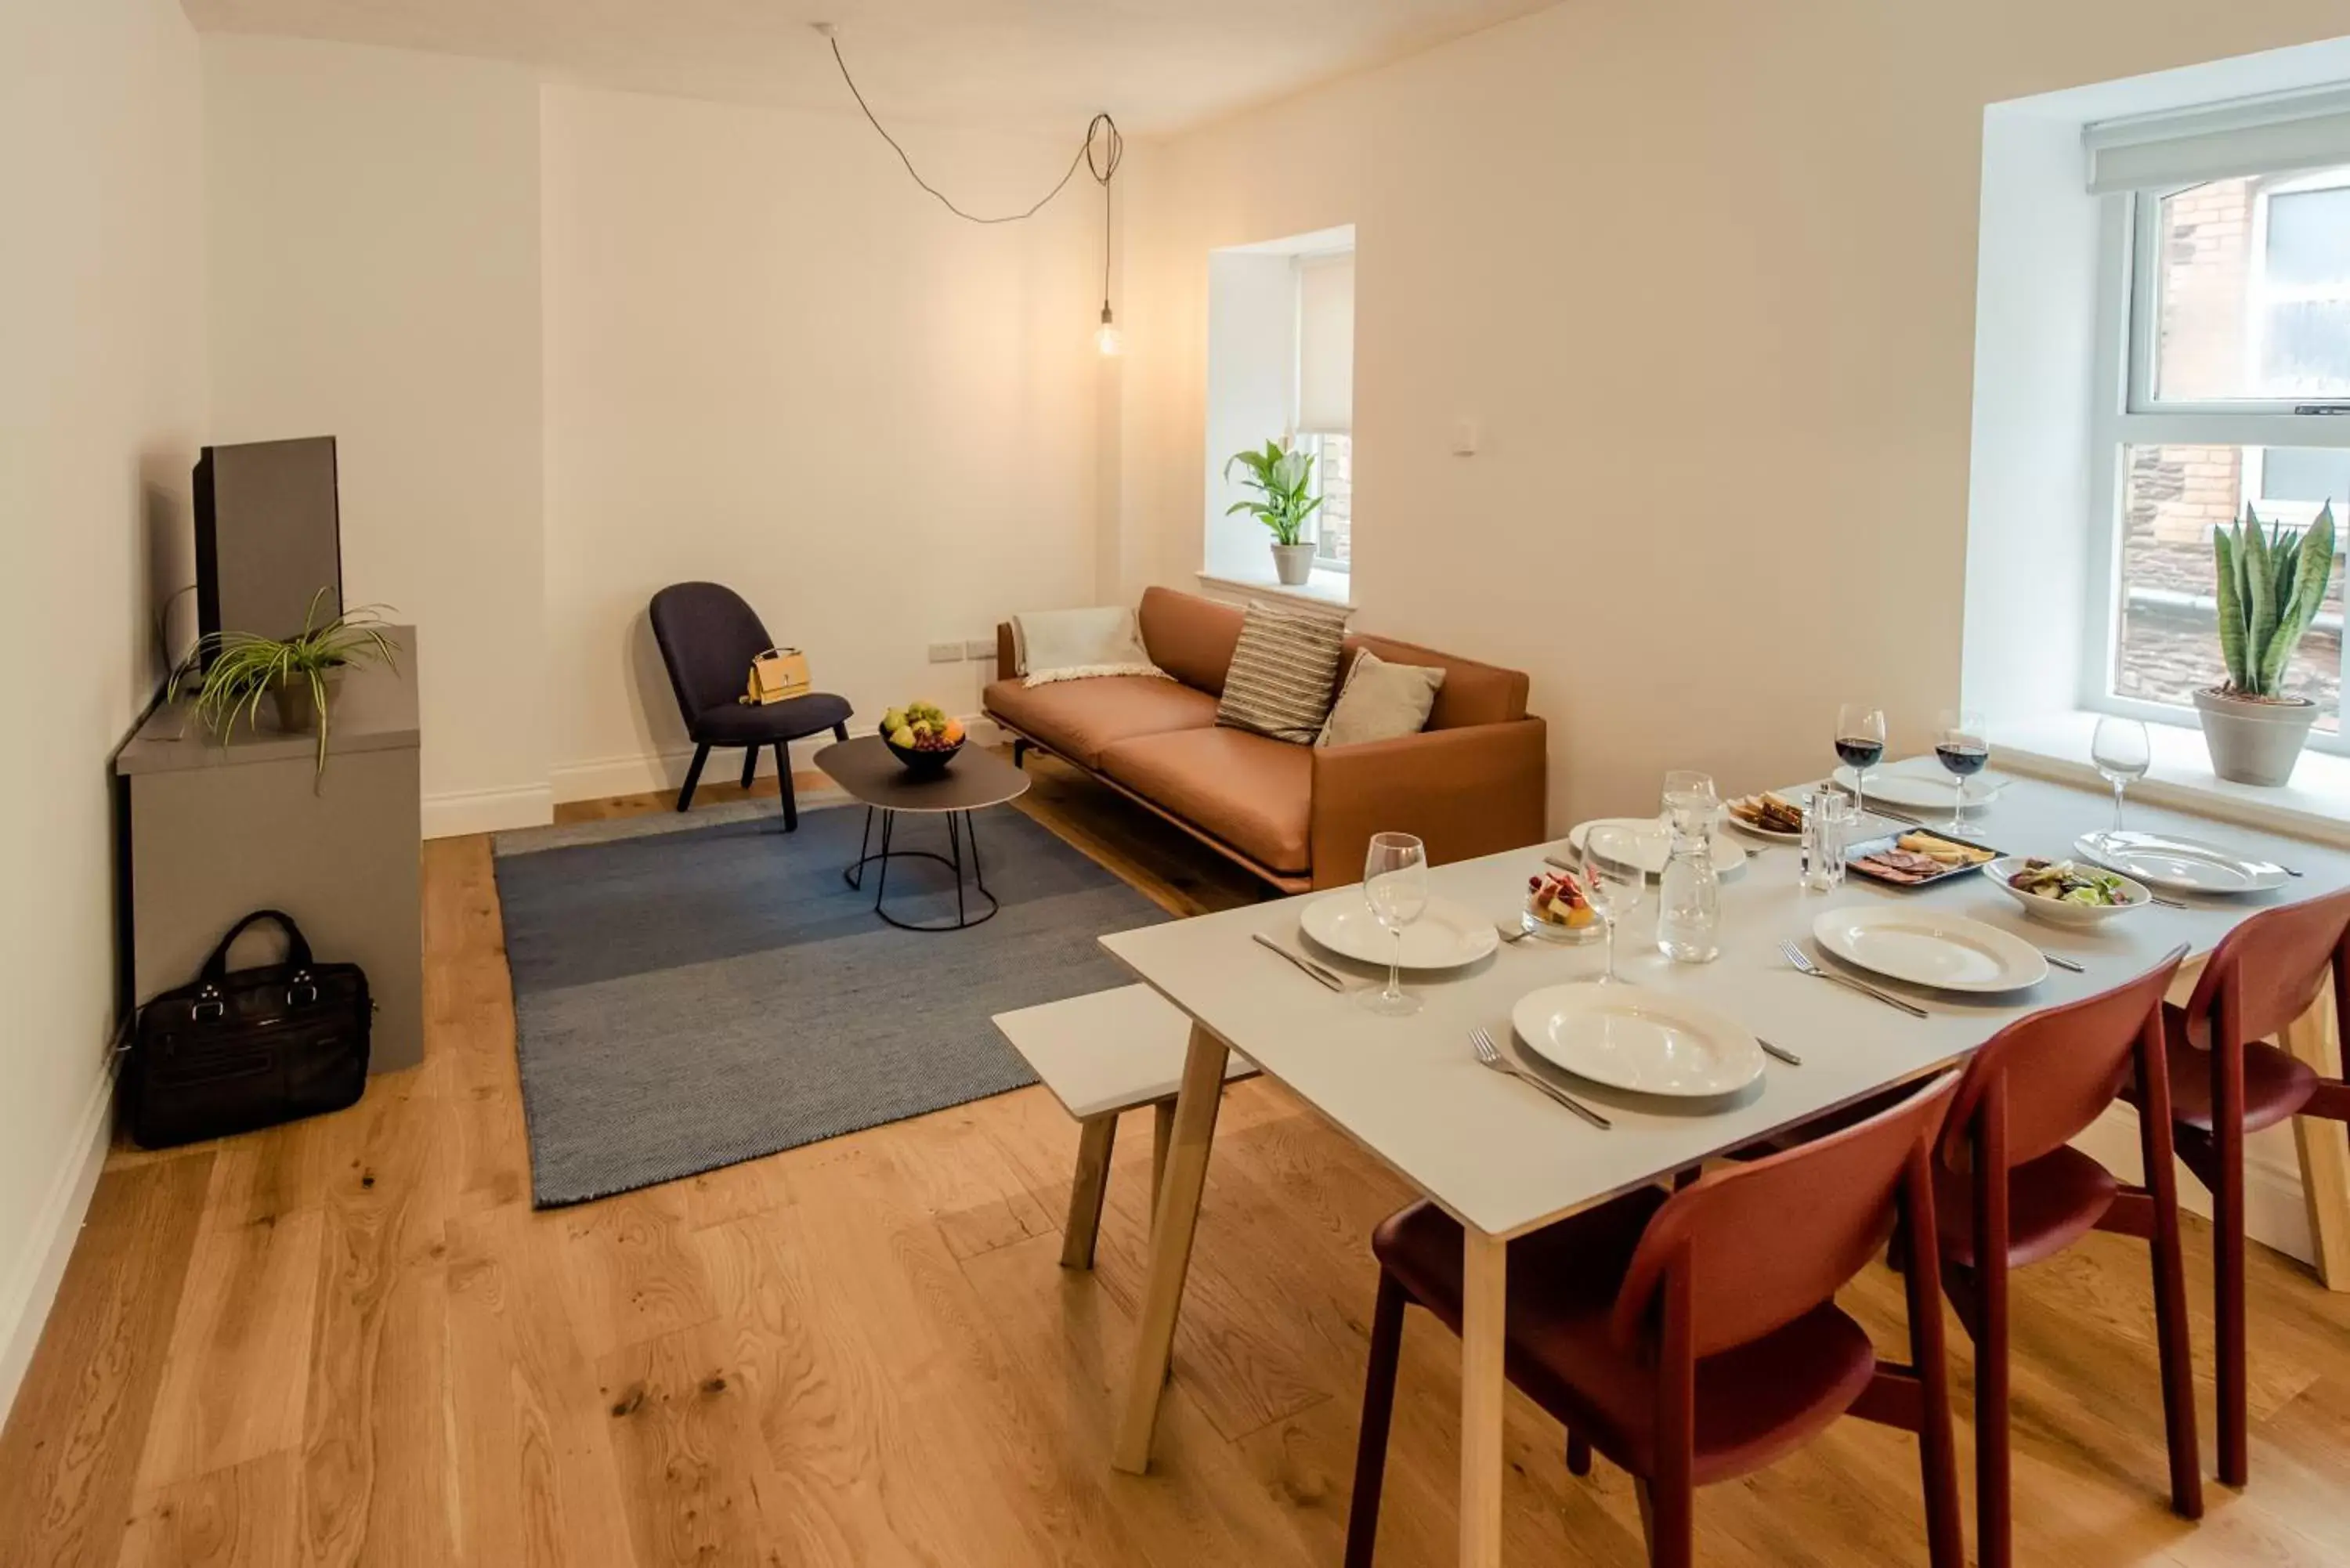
351,1341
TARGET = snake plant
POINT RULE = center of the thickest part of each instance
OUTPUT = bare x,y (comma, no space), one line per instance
1281,476
2270,588
232,672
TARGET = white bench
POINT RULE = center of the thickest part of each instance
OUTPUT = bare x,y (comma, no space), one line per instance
1108,1052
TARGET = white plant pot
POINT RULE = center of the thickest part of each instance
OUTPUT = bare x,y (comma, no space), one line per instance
2253,741
1292,563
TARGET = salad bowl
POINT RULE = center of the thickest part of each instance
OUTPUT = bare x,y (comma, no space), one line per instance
2090,895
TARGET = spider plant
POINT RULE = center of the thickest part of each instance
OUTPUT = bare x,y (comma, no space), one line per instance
231,672
1282,477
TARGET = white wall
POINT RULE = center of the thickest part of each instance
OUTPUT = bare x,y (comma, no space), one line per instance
772,361
1705,272
102,410
373,234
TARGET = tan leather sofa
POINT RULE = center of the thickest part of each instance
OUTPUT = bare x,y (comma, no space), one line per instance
1470,784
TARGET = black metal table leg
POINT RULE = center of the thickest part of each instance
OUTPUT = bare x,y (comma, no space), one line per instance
953,860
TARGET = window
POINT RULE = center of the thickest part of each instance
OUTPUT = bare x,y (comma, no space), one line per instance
2235,298
1334,481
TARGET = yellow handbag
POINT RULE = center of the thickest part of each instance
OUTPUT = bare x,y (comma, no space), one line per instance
777,674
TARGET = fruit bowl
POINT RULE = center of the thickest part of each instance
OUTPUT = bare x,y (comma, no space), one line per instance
922,737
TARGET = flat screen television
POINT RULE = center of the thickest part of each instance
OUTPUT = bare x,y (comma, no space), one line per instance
269,535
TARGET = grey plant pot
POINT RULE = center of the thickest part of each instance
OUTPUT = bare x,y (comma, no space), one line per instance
1292,563
2251,741
298,710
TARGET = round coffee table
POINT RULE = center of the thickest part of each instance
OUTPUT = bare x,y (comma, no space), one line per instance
872,774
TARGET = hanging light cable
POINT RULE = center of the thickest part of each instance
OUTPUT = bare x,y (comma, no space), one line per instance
1100,153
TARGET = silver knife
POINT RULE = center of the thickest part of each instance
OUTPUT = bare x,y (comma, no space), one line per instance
1305,965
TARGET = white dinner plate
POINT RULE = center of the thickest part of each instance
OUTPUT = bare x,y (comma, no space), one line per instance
1633,1038
1446,936
1949,952
1923,792
1656,844
2180,865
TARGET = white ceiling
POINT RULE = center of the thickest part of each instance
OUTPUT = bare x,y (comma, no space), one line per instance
1039,64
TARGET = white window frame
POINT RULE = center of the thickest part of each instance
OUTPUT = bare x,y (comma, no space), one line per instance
2128,414
1322,563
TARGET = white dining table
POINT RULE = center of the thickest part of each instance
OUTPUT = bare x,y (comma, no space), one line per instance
1503,1160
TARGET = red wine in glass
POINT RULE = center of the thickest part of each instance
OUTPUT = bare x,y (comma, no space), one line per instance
1858,752
1964,761
1860,741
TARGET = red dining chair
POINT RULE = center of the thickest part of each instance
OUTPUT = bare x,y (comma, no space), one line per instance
1694,1336
2010,1190
2227,1080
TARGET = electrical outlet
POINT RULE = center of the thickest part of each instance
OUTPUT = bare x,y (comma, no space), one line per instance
980,647
946,653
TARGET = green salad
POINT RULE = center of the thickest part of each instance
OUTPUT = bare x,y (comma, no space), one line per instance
2068,883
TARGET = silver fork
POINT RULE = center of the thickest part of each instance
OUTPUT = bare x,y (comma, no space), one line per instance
1802,961
1491,1056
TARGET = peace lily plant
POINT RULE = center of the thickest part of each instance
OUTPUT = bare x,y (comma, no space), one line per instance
2269,586
1281,476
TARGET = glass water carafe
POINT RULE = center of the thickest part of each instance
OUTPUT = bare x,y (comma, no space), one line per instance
1689,903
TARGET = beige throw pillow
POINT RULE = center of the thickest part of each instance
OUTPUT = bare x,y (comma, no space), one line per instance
1381,701
1283,669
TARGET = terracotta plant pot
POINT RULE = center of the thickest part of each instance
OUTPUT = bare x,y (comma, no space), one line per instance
1292,563
2254,740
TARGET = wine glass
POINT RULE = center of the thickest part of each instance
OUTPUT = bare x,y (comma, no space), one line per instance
1859,742
1613,883
2123,753
1959,741
1395,885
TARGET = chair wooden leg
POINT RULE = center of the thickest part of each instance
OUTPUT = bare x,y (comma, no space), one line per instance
1938,1457
2156,1142
693,777
1994,1498
1669,1521
1378,1407
750,765
1162,1134
784,778
2228,1288
1578,1455
1096,1139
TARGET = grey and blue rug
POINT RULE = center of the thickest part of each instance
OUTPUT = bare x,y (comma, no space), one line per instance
691,992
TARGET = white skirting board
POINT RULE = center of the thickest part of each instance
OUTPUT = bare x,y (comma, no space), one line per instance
30,1286
464,811
2274,1212
663,771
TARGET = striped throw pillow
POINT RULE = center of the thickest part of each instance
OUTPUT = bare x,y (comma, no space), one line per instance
1283,669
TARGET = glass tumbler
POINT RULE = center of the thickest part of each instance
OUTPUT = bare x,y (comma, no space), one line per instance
1827,830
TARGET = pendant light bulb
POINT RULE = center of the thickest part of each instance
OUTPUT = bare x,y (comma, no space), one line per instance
1106,337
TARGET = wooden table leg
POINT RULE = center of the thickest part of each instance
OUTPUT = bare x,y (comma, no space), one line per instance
1162,1134
2325,1154
1172,1225
1484,1285
1096,1141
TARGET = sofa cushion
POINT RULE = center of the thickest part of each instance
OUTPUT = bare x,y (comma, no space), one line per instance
1190,638
1079,718
1474,694
1284,671
1380,701
1252,793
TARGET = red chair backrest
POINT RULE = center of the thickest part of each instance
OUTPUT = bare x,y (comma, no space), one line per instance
2267,971
1766,1242
2061,1068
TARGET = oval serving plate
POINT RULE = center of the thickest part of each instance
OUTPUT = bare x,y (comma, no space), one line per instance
1629,1037
1446,936
2179,864
1925,946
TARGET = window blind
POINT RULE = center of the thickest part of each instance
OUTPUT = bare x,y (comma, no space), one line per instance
2269,135
1325,345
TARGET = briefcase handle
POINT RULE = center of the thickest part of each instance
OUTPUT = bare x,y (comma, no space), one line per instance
297,946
